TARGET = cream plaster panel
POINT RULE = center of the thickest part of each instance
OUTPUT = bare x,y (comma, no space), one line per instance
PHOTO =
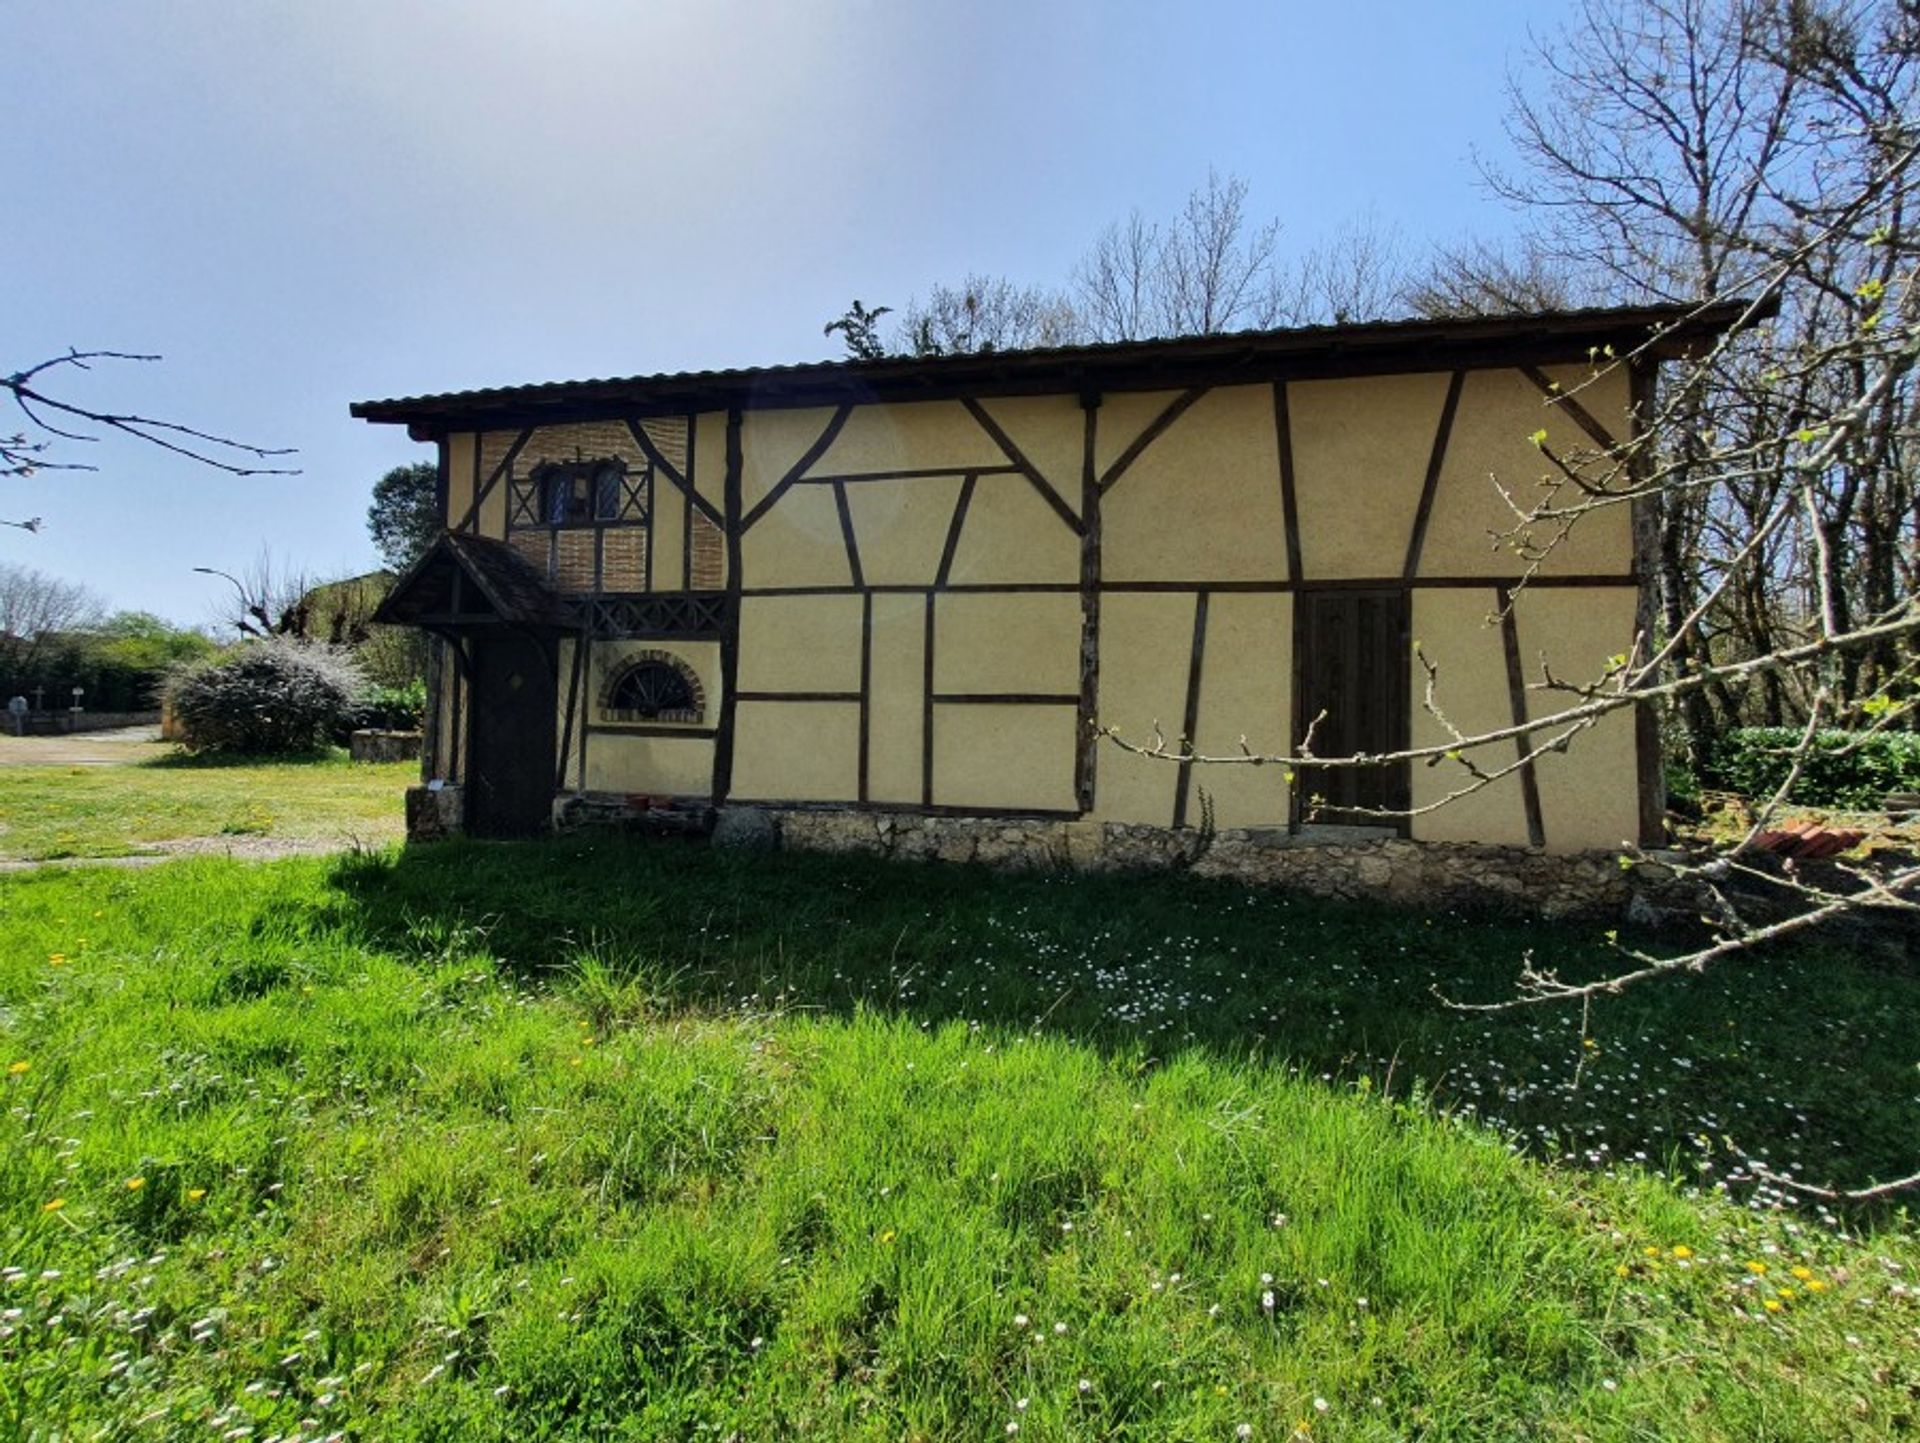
1589,794
798,543
1245,692
1360,454
1012,535
493,504
799,643
709,450
1011,642
772,443
908,437
1123,416
1455,630
653,766
669,532
1490,448
1004,756
901,527
459,476
1146,646
1051,433
1203,501
795,751
895,715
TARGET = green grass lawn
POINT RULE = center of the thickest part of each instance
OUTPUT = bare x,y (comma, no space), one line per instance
614,1140
116,811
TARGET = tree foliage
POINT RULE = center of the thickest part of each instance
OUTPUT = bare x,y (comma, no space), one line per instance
404,516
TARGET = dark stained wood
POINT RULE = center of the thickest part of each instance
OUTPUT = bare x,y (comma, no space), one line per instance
866,676
1008,698
1579,414
582,649
1351,660
1430,487
612,729
1276,585
663,467
952,548
845,696
846,535
924,473
926,709
1289,498
471,521
442,480
1026,467
799,468
1191,724
1517,704
510,783
1086,755
1154,430
730,638
687,493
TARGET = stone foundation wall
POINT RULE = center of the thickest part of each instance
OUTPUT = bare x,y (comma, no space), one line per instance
372,744
436,812
1338,862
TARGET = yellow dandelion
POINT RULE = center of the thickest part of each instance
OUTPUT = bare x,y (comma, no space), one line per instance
56,958
1589,1044
1759,1270
576,1062
1803,1273
1683,1251
53,1206
1774,1305
1786,1292
586,1042
1650,1252
134,1184
1622,1271
888,1236
1814,1285
16,1068
194,1194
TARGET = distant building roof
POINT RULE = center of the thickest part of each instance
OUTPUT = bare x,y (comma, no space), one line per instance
1370,348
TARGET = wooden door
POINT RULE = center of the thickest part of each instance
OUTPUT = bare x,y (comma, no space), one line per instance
510,770
1352,656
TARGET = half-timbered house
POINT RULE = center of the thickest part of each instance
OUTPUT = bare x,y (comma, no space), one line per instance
916,585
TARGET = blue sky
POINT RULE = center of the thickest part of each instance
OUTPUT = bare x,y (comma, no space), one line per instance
304,205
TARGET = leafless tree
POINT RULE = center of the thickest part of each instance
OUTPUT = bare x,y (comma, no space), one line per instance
46,417
36,607
987,313
1784,448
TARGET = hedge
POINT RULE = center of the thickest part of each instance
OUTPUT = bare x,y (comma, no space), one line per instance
1843,769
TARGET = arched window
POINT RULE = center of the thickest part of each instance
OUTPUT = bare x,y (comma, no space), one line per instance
654,686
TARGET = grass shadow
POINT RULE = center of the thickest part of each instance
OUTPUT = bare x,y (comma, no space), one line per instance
1800,1056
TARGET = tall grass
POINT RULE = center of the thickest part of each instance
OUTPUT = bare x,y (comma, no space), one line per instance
617,1142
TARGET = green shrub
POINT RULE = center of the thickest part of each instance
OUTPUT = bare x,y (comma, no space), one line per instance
1843,769
266,698
397,708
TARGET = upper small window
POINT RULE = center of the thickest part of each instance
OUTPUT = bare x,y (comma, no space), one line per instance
587,493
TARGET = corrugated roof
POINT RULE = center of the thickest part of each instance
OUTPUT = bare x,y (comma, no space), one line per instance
1128,365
